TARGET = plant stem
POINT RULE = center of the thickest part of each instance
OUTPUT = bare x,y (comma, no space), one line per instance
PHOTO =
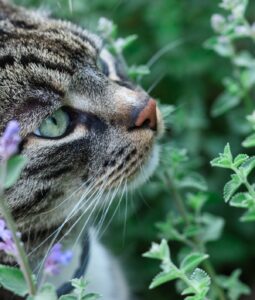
21,257
197,244
245,182
177,198
211,272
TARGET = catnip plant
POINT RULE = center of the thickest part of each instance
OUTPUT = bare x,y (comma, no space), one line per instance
232,27
189,224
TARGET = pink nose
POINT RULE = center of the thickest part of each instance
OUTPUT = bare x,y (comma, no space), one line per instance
147,117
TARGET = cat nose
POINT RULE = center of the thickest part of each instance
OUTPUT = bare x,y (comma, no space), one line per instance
145,116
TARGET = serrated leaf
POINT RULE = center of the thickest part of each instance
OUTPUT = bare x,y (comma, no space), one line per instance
224,103
221,162
231,187
200,279
193,180
14,168
191,261
13,280
242,200
164,277
249,216
249,141
187,291
240,158
211,227
247,166
235,288
158,251
224,160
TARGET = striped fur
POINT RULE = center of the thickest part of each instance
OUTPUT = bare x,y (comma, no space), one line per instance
46,64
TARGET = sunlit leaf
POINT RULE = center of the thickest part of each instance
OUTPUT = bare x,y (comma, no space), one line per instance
191,261
13,280
164,277
231,187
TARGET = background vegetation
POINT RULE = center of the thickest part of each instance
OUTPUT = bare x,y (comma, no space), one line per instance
188,76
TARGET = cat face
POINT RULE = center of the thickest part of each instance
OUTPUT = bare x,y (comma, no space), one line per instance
85,126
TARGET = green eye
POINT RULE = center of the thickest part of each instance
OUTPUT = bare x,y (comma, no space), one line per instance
54,126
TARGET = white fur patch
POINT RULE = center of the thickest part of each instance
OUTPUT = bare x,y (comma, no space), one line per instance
147,169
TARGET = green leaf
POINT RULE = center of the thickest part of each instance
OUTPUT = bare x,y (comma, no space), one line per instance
224,103
223,47
193,180
248,166
211,227
240,158
159,251
249,141
225,159
197,201
135,71
235,288
79,284
200,279
191,231
14,168
249,216
195,297
164,277
122,43
13,280
46,292
242,200
231,187
191,261
91,296
68,297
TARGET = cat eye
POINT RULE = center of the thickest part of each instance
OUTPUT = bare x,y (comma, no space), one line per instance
55,125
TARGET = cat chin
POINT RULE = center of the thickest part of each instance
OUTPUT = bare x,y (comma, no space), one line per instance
147,169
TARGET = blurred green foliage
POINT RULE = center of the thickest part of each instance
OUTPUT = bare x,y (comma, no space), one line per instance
172,34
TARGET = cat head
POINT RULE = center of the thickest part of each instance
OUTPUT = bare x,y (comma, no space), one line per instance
85,125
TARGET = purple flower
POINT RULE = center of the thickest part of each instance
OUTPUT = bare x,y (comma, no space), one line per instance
10,140
6,242
57,258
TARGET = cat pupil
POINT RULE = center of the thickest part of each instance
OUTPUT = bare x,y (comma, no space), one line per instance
54,121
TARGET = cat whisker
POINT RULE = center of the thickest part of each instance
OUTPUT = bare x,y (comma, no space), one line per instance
88,219
114,213
125,213
72,213
95,205
104,214
70,196
45,240
167,48
156,82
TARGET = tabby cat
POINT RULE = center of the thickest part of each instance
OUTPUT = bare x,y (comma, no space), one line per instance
87,131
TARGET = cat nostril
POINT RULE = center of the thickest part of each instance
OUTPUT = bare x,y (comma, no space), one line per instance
147,117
